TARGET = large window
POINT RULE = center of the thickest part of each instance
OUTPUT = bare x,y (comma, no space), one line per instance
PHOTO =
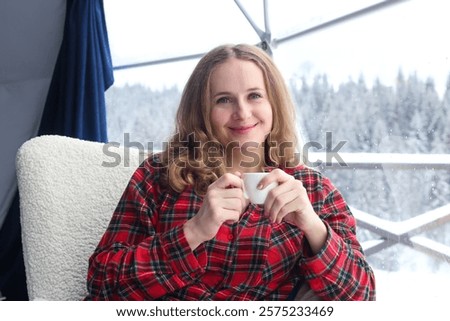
374,87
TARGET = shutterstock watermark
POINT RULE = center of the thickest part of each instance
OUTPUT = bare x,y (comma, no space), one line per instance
214,154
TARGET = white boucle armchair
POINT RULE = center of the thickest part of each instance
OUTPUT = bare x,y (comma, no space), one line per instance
68,191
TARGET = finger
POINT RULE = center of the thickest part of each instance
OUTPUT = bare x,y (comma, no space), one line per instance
238,174
233,203
227,180
277,191
229,198
234,192
283,205
285,211
277,175
222,209
232,198
230,215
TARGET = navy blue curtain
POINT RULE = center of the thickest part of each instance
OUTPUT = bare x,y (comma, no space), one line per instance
75,104
75,107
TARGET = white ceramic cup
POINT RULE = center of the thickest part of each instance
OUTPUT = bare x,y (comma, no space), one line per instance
251,191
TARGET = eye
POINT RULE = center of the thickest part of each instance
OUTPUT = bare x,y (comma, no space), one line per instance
223,100
255,96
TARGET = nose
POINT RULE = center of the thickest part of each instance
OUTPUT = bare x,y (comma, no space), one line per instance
242,109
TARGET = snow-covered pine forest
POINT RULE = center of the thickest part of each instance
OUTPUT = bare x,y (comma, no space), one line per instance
410,117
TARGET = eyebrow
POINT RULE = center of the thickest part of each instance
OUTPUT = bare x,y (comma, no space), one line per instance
222,93
229,93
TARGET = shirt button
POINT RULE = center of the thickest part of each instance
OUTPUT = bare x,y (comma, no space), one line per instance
230,237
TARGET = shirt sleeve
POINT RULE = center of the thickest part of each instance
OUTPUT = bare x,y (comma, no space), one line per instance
339,271
133,261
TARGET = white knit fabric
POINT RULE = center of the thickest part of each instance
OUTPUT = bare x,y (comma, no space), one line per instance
67,197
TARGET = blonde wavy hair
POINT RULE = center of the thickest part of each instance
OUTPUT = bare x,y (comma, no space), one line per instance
193,155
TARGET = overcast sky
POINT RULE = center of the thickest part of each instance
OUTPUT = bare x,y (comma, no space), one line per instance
411,35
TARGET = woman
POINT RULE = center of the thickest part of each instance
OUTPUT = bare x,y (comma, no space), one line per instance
183,228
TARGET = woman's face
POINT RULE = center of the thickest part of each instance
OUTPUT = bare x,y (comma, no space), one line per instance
240,109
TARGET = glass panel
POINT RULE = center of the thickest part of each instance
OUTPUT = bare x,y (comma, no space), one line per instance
288,17
142,30
378,84
375,84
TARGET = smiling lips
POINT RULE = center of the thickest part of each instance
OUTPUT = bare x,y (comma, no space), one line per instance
242,129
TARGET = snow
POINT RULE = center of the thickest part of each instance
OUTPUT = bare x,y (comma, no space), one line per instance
406,286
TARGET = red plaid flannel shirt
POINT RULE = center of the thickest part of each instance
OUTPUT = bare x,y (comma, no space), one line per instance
144,255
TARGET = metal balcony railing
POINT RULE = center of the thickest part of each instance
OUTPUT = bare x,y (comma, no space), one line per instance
403,232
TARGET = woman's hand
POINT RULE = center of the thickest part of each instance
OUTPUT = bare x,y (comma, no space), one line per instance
289,201
224,202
